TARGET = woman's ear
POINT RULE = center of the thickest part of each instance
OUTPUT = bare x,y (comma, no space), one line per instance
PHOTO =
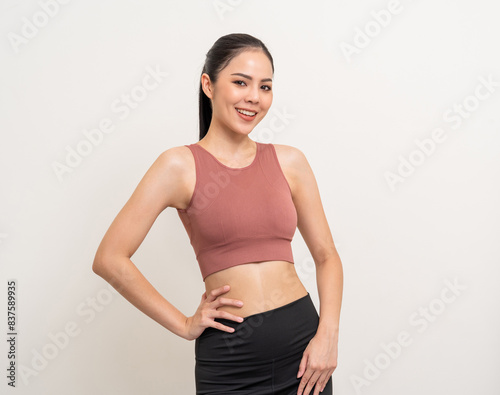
206,85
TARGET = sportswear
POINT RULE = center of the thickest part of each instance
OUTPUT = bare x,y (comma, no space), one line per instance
263,354
239,215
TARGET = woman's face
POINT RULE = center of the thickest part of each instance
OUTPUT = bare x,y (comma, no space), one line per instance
244,84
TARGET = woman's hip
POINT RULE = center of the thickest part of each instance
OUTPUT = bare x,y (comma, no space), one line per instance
273,334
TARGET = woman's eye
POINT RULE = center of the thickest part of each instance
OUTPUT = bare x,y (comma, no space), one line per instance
242,83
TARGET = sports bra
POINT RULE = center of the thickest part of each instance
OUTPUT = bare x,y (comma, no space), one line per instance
239,215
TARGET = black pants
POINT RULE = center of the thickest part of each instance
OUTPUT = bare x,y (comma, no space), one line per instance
261,356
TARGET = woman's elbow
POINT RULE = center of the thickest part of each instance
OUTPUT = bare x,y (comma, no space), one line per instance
97,267
101,264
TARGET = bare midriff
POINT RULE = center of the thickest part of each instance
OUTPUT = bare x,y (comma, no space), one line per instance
261,286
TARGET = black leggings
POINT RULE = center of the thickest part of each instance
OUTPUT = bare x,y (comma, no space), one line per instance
261,356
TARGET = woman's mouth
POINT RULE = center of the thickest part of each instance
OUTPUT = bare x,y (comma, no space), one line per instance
245,114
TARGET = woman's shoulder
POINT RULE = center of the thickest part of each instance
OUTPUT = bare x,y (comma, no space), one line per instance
174,172
289,155
176,157
175,164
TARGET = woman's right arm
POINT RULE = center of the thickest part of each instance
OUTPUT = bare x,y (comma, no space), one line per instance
164,185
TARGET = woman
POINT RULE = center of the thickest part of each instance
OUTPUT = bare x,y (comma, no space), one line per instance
256,329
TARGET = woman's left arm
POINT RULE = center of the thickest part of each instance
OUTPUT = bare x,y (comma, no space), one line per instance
320,357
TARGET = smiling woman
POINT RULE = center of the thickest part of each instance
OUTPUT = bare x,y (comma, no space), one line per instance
256,329
248,95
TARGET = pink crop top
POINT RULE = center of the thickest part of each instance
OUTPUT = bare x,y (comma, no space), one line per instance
239,215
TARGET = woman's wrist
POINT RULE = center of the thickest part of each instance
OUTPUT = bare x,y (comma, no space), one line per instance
329,329
185,333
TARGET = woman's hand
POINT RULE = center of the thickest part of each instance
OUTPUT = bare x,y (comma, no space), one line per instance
207,311
319,360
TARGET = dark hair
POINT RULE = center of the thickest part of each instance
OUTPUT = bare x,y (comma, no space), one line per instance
218,57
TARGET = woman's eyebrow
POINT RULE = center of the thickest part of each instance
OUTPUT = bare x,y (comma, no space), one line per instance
250,78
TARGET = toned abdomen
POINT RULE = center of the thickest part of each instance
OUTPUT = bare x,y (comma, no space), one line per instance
261,286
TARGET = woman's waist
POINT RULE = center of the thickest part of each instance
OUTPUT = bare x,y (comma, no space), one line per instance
261,286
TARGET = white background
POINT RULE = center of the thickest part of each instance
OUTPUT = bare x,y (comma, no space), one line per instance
355,117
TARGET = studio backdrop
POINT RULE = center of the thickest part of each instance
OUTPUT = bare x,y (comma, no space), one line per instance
395,105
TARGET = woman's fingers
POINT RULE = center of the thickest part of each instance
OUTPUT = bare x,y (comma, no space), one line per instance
214,296
218,325
214,300
308,382
214,293
227,316
229,302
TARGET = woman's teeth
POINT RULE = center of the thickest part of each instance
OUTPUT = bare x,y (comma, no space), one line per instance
249,113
